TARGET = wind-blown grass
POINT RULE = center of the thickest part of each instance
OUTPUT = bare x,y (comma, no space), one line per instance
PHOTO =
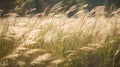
59,41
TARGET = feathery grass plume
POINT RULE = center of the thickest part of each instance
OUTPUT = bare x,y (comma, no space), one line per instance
95,46
87,49
42,60
53,10
34,51
57,62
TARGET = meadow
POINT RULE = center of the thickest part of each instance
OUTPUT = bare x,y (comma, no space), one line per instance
60,41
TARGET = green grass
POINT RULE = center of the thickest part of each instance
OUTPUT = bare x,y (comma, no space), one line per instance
59,41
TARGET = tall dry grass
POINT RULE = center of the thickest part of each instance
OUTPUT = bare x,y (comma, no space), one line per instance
59,41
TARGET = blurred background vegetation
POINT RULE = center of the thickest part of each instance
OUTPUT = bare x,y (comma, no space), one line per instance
23,7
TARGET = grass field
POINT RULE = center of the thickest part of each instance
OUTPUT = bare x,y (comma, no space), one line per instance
59,41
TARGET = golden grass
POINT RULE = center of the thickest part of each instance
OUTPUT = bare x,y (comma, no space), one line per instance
79,41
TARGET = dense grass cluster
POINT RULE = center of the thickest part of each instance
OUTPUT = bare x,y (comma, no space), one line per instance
59,41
